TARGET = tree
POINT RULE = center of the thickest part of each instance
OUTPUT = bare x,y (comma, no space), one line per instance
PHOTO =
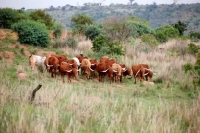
180,26
131,1
10,16
42,17
116,28
80,21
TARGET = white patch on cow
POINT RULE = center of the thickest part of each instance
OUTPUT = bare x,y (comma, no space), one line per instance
77,61
40,60
92,64
71,64
124,69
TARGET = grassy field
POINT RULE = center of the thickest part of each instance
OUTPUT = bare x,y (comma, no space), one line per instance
169,106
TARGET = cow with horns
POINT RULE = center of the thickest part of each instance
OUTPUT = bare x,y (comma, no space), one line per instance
67,69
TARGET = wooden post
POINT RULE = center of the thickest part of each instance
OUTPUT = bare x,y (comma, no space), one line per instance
33,93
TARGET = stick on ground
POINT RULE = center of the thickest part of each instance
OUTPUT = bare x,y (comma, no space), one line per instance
34,92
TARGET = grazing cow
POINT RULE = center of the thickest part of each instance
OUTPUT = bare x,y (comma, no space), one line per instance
52,66
86,67
67,69
102,69
73,63
126,71
108,60
36,60
148,72
94,64
138,72
117,69
104,58
60,58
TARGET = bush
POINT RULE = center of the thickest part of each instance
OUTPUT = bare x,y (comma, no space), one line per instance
58,43
92,31
193,49
103,44
33,33
164,33
149,39
194,36
57,29
72,42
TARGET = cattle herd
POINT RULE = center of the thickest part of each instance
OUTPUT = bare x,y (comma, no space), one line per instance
105,67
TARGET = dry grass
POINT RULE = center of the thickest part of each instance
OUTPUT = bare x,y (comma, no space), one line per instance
87,106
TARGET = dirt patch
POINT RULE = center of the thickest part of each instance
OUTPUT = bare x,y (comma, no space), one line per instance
7,56
22,75
9,33
45,53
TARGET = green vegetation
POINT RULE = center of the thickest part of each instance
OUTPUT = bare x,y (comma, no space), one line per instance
10,16
33,33
42,17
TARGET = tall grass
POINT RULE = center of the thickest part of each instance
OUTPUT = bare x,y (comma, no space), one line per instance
87,106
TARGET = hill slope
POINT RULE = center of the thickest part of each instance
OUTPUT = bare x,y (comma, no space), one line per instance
155,14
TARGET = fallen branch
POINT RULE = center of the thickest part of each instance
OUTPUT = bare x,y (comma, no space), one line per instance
34,92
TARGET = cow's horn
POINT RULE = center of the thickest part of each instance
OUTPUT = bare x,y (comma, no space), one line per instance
114,71
71,64
146,74
49,65
104,71
154,73
68,71
92,64
91,69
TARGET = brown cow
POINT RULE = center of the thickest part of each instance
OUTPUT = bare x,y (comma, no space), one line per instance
148,72
86,67
138,72
52,66
67,69
126,71
61,58
117,72
102,69
94,64
73,63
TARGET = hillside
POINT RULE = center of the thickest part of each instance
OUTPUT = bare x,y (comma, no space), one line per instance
170,104
156,14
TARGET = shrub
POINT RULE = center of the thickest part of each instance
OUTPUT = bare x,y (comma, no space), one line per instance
149,39
92,31
194,36
72,42
164,33
33,33
58,43
193,49
103,44
57,29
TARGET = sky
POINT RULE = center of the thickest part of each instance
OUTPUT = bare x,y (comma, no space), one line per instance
40,4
